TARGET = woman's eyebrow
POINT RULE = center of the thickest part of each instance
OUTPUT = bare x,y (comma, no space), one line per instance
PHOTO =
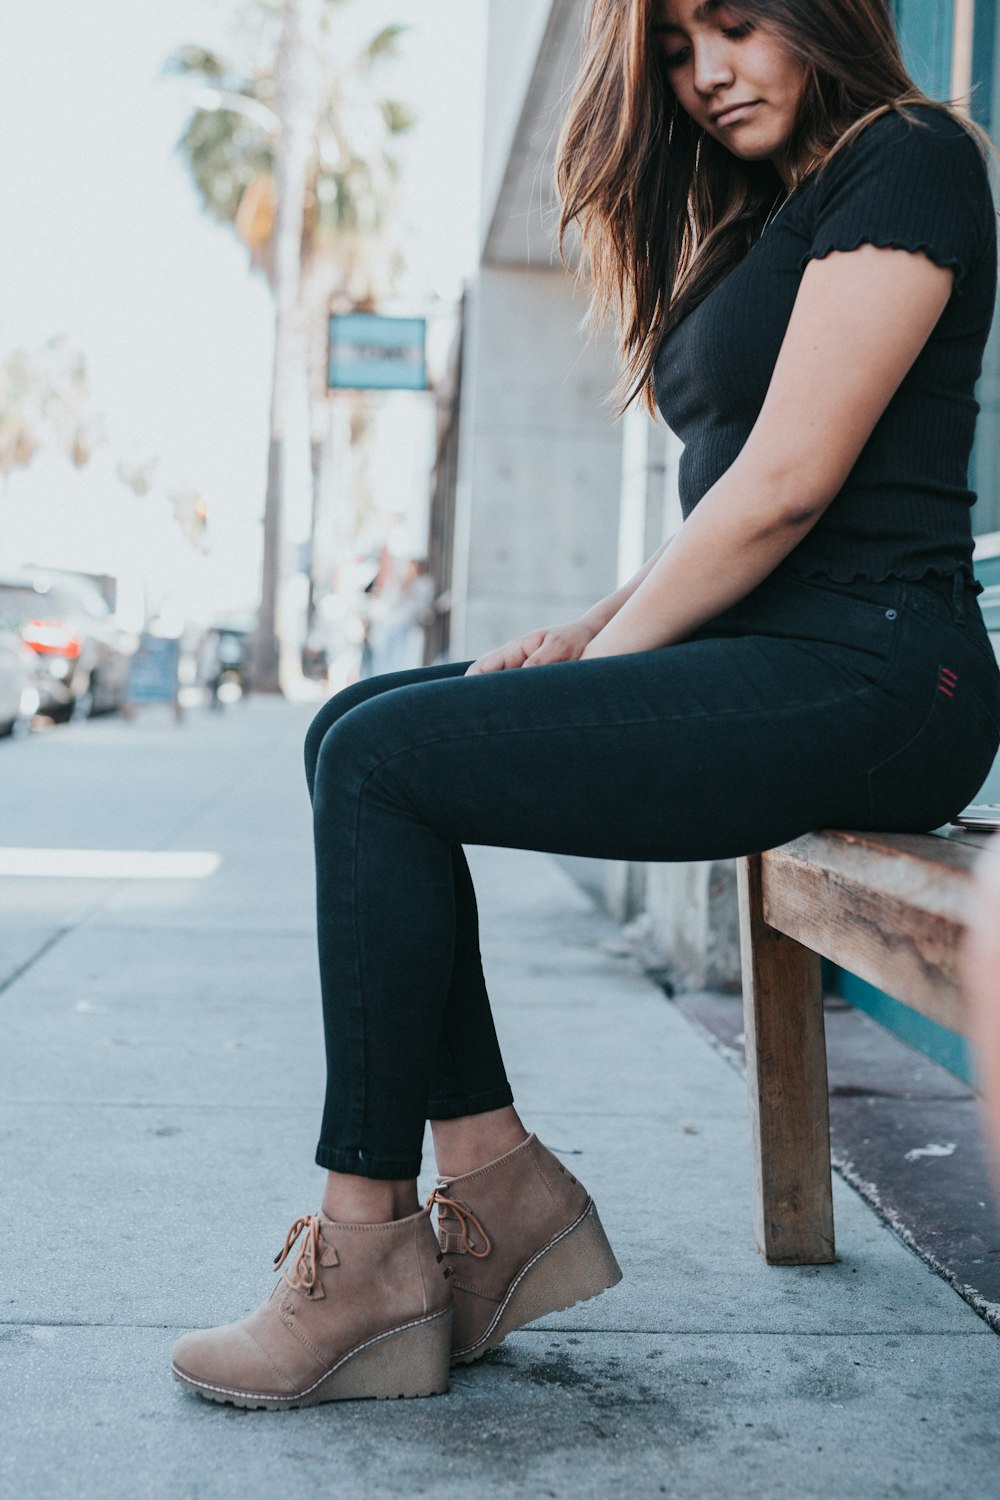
701,13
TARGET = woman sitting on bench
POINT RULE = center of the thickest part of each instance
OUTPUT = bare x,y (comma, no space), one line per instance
799,251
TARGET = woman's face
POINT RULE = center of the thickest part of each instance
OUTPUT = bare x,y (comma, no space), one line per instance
718,58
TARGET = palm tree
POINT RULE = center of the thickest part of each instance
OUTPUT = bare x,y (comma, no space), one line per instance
45,403
294,152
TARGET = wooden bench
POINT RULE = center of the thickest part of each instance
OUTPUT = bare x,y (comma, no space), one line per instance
889,908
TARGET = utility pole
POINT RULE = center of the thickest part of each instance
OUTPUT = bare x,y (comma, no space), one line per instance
298,81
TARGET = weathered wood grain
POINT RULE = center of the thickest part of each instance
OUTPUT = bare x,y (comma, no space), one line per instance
891,908
787,1085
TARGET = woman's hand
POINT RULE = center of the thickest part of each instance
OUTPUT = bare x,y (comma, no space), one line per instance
538,649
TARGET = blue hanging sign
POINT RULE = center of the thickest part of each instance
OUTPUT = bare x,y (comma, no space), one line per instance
369,352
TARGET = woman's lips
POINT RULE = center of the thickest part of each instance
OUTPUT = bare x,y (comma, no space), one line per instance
735,115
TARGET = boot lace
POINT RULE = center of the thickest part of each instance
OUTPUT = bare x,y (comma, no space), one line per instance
464,1216
302,1276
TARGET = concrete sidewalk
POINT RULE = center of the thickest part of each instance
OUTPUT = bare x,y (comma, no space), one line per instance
160,1086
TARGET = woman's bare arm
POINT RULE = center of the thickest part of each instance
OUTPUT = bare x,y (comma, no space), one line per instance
538,648
860,319
605,609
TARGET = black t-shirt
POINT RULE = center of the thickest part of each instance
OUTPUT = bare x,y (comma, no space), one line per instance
904,510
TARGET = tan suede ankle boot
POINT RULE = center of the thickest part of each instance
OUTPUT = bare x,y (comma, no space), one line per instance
520,1238
364,1311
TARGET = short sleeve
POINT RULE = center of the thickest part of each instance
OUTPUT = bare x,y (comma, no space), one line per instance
912,184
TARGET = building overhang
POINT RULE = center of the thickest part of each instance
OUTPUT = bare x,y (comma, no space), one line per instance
522,221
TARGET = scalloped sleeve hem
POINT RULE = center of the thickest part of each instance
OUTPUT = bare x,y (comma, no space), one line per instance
949,262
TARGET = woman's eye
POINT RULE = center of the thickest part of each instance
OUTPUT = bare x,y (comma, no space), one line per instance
733,33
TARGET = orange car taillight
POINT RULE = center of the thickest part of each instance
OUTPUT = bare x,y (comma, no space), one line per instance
51,637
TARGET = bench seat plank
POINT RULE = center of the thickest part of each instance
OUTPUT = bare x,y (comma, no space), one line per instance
890,908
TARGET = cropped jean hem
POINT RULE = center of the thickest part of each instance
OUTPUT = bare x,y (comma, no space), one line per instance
454,1108
356,1164
385,1168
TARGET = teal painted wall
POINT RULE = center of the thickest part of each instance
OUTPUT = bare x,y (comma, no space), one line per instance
983,42
936,1042
925,32
925,28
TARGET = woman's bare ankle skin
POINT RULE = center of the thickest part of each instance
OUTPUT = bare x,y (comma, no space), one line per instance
367,1200
471,1141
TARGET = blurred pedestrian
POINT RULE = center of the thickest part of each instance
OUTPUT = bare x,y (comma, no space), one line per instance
406,609
800,249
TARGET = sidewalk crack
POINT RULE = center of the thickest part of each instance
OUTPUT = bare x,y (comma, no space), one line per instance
39,953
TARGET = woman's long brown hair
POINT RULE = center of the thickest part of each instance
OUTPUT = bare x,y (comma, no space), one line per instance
664,210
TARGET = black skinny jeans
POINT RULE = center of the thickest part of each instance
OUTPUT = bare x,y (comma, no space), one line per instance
807,705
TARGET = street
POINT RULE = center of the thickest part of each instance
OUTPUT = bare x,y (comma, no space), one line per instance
160,1086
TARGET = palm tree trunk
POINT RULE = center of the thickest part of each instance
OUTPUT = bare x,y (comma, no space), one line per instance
298,97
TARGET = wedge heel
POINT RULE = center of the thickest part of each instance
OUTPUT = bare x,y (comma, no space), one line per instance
414,1360
577,1265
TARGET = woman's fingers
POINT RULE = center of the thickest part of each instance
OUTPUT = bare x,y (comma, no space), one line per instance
538,649
557,645
503,658
491,662
553,648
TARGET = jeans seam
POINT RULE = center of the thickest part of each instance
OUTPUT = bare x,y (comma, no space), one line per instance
964,636
900,750
363,1085
574,728
962,621
968,638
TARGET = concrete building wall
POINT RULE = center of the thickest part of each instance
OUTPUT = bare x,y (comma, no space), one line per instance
539,483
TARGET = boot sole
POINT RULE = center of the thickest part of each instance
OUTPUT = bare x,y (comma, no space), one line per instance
412,1360
577,1265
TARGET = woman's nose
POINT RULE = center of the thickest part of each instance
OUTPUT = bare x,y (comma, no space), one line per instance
712,66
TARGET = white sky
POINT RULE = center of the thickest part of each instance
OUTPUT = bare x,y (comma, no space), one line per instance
103,241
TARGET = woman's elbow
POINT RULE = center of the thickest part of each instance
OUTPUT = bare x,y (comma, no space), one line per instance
794,516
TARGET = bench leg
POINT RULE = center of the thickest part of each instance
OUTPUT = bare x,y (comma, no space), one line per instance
786,1081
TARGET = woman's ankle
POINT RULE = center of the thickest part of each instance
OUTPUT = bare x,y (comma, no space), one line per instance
469,1142
350,1199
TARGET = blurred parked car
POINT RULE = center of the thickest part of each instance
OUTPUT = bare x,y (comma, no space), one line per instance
19,694
82,654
